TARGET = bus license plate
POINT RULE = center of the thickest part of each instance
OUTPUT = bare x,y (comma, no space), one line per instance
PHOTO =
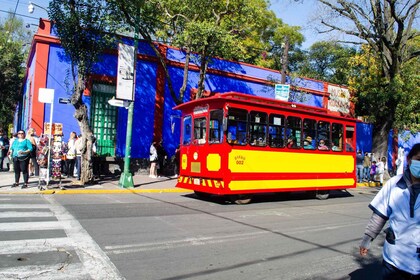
196,181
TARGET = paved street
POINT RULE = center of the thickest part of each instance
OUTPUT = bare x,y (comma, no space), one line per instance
40,240
177,236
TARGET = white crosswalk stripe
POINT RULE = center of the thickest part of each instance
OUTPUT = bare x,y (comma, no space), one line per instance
85,259
41,272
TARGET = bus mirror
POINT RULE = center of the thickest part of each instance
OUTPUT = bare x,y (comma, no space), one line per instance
224,124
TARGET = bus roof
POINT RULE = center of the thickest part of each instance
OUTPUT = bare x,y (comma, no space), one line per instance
236,97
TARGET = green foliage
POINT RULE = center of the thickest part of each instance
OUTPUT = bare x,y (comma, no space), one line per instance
12,59
85,29
382,100
327,61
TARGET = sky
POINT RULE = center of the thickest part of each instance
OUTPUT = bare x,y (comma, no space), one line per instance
296,13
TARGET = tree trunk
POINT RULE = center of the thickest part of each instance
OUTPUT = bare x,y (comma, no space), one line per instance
81,115
285,60
203,70
380,140
185,80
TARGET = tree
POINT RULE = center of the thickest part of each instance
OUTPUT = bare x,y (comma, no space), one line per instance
85,29
371,87
327,61
232,29
281,44
387,28
12,59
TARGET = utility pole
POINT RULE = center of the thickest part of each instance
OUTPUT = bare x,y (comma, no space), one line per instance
126,179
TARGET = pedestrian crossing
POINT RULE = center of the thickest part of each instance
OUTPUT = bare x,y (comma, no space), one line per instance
39,239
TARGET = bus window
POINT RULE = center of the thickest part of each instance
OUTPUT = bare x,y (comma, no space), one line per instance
236,126
309,130
257,128
186,135
200,130
276,131
293,132
323,137
337,137
349,139
216,126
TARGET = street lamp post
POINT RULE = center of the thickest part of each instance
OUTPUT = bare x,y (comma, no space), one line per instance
126,179
31,7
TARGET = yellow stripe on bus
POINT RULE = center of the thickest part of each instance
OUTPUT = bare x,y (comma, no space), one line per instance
242,161
279,184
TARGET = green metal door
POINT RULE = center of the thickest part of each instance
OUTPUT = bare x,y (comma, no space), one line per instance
104,119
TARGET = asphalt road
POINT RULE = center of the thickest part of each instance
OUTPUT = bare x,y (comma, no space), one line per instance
175,236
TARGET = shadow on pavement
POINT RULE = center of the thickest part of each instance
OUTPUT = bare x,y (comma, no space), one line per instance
270,197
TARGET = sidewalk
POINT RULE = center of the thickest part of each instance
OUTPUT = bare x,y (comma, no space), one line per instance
142,184
106,185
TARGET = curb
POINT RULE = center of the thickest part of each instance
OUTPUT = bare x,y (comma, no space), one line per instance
119,191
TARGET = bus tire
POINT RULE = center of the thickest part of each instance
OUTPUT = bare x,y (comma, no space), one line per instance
241,199
322,195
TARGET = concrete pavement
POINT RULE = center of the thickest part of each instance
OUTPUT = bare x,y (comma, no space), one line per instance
142,184
109,185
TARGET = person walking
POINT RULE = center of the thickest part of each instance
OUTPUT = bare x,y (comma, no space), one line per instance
359,166
153,160
366,167
162,156
33,164
14,137
79,148
21,152
71,154
4,148
176,160
380,170
398,203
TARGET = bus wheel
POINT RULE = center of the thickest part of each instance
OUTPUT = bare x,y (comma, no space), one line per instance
241,199
321,195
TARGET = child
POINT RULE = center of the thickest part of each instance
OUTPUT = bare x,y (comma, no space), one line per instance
372,171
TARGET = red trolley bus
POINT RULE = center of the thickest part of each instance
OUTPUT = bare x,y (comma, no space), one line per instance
238,145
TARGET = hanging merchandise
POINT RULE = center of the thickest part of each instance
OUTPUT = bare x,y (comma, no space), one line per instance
53,173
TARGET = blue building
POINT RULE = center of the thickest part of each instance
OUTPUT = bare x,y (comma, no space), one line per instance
154,118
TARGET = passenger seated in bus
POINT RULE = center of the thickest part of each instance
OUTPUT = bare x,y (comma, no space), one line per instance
291,142
307,143
322,146
336,148
349,145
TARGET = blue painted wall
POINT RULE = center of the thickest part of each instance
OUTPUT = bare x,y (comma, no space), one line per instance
59,73
364,134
